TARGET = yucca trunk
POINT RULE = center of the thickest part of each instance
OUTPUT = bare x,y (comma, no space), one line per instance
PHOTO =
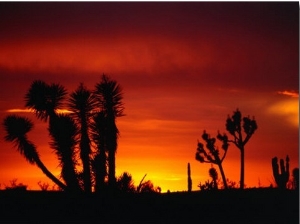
223,176
100,171
63,131
85,158
112,136
242,181
69,175
50,175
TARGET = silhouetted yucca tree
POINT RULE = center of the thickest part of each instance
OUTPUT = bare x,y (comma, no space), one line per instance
242,130
91,119
16,128
82,104
109,97
45,99
63,132
211,154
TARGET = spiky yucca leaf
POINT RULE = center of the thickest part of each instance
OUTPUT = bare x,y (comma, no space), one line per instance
16,128
44,99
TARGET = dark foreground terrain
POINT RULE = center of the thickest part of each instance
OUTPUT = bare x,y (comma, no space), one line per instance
234,206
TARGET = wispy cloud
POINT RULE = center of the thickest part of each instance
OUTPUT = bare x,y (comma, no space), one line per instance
18,110
289,93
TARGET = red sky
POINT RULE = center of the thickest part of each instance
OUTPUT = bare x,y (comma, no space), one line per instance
183,68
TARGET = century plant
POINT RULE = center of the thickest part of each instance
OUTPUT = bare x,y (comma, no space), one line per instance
236,125
211,154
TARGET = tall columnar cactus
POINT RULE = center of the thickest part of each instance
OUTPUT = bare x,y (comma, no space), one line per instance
283,177
189,178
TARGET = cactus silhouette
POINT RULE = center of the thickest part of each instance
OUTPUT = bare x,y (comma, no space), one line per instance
189,178
211,153
283,177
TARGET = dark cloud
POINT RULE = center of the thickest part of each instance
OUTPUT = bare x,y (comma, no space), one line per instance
179,19
239,45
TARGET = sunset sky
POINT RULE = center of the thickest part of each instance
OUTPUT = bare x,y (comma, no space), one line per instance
183,67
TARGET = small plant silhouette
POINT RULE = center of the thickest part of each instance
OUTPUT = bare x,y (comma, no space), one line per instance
125,183
43,186
214,176
16,186
210,185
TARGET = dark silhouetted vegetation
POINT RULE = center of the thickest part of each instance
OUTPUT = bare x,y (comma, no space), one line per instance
91,118
295,181
85,141
281,177
17,187
82,102
109,99
211,153
213,184
17,128
235,125
125,183
189,178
